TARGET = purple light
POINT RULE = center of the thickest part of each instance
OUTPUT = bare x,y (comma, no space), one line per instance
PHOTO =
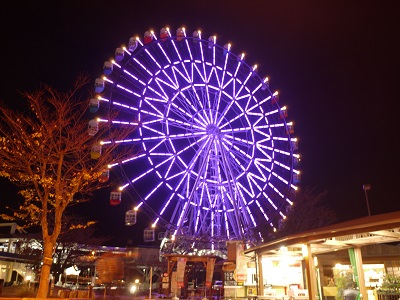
211,138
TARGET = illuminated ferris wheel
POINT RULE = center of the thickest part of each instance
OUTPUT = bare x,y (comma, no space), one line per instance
213,157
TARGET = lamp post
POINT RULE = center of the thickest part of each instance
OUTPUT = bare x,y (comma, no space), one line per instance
367,187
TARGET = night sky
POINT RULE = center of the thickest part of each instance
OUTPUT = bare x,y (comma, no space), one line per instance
334,63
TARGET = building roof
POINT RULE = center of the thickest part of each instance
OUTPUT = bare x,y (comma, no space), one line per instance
383,228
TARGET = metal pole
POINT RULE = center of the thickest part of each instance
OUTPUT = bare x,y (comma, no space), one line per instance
151,281
367,187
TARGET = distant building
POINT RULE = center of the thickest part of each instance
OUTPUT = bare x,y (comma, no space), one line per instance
14,266
17,267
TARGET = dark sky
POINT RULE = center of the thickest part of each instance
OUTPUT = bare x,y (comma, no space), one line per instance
335,64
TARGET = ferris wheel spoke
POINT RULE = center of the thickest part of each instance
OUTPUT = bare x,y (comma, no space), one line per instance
276,190
185,77
188,49
168,85
189,147
238,140
167,77
261,209
255,184
181,202
216,104
213,50
213,77
264,131
185,125
203,62
193,94
189,191
143,66
198,73
153,59
190,109
126,92
229,109
273,205
239,157
224,68
181,110
248,189
164,54
282,165
248,219
242,87
156,92
153,108
248,186
263,165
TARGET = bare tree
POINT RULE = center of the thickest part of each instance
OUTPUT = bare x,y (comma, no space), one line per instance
47,152
72,247
308,212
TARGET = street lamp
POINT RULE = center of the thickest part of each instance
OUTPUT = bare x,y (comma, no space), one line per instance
367,187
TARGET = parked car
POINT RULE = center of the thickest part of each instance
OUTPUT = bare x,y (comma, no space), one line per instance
218,288
218,284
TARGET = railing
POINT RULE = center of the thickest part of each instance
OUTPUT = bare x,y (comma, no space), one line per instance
388,295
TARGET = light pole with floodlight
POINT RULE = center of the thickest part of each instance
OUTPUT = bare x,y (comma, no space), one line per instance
367,187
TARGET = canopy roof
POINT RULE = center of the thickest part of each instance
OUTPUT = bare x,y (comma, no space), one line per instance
383,228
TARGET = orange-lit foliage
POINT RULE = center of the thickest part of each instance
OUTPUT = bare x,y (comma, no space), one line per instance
46,152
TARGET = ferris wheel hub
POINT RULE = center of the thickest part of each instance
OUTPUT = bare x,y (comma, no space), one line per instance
212,129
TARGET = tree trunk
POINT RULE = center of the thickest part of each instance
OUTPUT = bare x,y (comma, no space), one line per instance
45,270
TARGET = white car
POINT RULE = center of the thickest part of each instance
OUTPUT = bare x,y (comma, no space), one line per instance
217,284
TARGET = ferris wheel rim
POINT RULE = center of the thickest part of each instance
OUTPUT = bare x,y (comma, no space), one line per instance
182,95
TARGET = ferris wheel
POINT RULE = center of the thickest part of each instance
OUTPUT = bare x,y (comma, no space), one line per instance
213,156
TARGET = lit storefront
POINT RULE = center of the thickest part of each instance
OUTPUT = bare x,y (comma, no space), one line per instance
282,274
306,265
